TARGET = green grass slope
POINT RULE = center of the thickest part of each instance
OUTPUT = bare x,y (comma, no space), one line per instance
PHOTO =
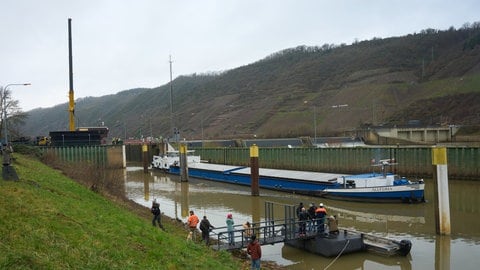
48,221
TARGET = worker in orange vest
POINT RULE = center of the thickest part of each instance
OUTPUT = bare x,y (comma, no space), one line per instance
192,222
320,215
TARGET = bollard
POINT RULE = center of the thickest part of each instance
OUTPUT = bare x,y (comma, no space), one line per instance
183,163
442,202
145,158
254,175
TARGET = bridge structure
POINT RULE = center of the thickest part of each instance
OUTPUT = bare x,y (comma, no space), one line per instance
414,134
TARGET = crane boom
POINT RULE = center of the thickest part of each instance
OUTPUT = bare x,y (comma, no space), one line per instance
71,102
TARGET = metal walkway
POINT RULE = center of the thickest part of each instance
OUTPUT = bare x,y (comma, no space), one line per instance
271,231
267,232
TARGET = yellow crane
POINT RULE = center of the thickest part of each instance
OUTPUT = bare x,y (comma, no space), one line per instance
71,102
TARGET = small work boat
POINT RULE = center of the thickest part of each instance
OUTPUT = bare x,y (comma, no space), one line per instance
371,187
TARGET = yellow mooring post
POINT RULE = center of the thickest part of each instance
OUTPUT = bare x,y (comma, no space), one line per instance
145,157
254,175
183,163
440,179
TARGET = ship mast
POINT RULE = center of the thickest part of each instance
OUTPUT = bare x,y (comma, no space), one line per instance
172,125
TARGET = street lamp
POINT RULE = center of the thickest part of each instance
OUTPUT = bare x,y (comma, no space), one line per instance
5,107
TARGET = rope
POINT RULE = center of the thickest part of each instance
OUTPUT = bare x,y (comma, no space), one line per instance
338,256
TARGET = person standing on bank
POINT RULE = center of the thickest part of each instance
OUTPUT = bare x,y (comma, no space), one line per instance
255,252
231,237
205,227
192,222
157,214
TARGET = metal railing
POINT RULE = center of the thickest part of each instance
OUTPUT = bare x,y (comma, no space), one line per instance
266,232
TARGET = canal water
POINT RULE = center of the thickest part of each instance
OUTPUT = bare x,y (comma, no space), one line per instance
415,222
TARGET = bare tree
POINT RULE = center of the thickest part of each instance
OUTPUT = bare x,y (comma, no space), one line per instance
15,116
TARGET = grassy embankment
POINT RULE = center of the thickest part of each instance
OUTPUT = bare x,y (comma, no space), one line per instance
48,221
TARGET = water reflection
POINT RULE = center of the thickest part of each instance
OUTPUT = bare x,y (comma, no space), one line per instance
183,198
442,253
146,188
350,261
399,221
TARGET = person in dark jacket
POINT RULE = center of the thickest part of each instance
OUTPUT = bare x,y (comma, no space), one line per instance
299,209
255,252
157,214
311,217
303,218
205,227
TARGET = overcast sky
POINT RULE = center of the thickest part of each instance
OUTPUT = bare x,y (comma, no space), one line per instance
120,44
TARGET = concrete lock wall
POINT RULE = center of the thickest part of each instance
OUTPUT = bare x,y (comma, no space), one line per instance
463,162
412,161
101,155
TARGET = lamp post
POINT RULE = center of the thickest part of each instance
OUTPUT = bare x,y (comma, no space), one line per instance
8,172
5,107
315,124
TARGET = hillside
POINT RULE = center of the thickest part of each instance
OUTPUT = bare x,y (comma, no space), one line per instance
50,221
432,76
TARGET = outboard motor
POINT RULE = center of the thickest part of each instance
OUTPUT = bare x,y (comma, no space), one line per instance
405,247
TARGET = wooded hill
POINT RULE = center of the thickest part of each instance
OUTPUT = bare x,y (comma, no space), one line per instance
432,76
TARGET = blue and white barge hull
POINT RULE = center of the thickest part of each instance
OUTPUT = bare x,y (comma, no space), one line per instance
371,187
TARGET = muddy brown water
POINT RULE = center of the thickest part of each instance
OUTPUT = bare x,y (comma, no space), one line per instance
415,222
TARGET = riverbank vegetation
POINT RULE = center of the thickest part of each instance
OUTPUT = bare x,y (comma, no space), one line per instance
49,221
